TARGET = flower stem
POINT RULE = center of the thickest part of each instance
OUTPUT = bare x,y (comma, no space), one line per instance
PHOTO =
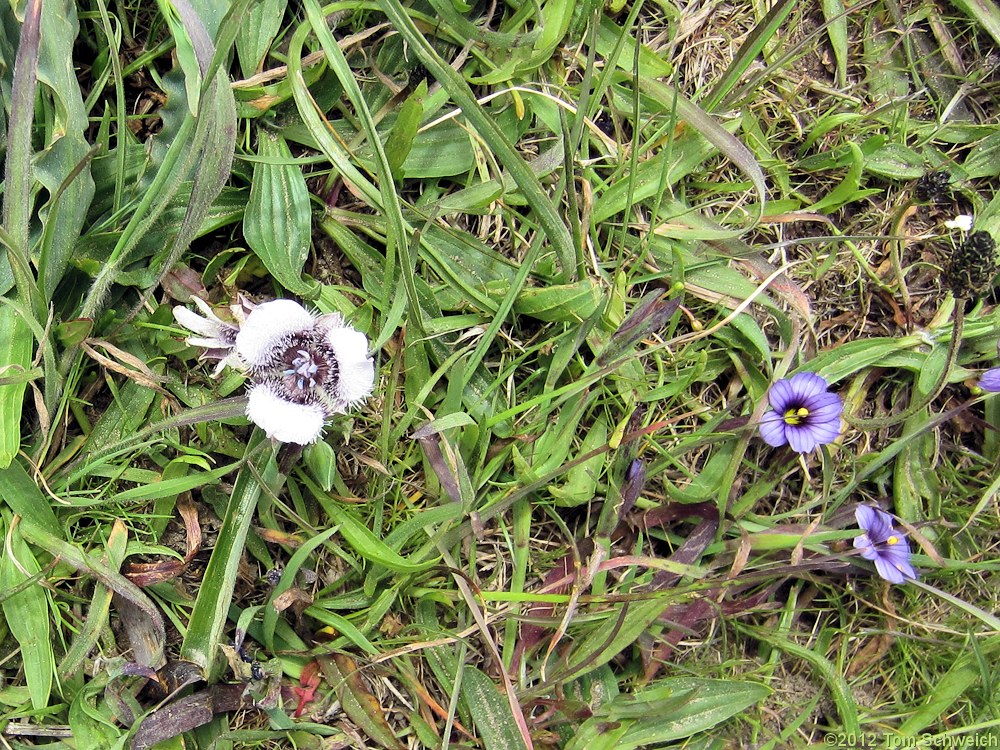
896,246
958,323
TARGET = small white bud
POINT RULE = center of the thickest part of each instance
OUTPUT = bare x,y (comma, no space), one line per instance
962,222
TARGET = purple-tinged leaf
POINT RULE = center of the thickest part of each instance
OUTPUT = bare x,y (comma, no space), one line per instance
17,173
188,713
650,315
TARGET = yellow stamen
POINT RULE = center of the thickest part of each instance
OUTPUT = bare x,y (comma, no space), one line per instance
795,416
892,540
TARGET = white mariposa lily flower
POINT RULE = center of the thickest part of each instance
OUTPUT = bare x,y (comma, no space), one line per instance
303,369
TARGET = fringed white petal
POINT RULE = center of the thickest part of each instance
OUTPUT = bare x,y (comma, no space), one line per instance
267,327
356,369
284,420
212,334
214,343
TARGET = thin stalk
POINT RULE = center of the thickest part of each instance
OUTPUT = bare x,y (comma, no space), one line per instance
954,344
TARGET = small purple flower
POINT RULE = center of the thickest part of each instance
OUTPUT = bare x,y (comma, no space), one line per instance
883,545
990,380
804,413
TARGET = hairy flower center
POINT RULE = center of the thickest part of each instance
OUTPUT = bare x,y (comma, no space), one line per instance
796,416
304,368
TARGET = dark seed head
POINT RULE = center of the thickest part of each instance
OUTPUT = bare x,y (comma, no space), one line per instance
273,576
932,187
972,266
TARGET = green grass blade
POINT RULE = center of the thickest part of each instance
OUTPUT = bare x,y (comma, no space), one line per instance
211,14
836,29
672,709
991,621
70,554
396,238
318,128
208,619
833,677
163,188
984,12
953,684
404,131
552,225
358,702
22,495
100,606
27,615
214,138
370,547
15,337
202,146
63,167
755,42
257,33
618,630
705,124
84,466
17,200
269,621
15,356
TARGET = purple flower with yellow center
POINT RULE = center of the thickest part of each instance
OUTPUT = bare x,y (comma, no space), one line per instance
883,545
804,414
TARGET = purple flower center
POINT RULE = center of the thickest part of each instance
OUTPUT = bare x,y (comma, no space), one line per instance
304,367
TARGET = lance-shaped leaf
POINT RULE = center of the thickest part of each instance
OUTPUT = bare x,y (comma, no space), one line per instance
257,33
198,147
277,223
17,165
63,167
15,357
201,642
15,336
551,222
26,610
673,709
490,711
